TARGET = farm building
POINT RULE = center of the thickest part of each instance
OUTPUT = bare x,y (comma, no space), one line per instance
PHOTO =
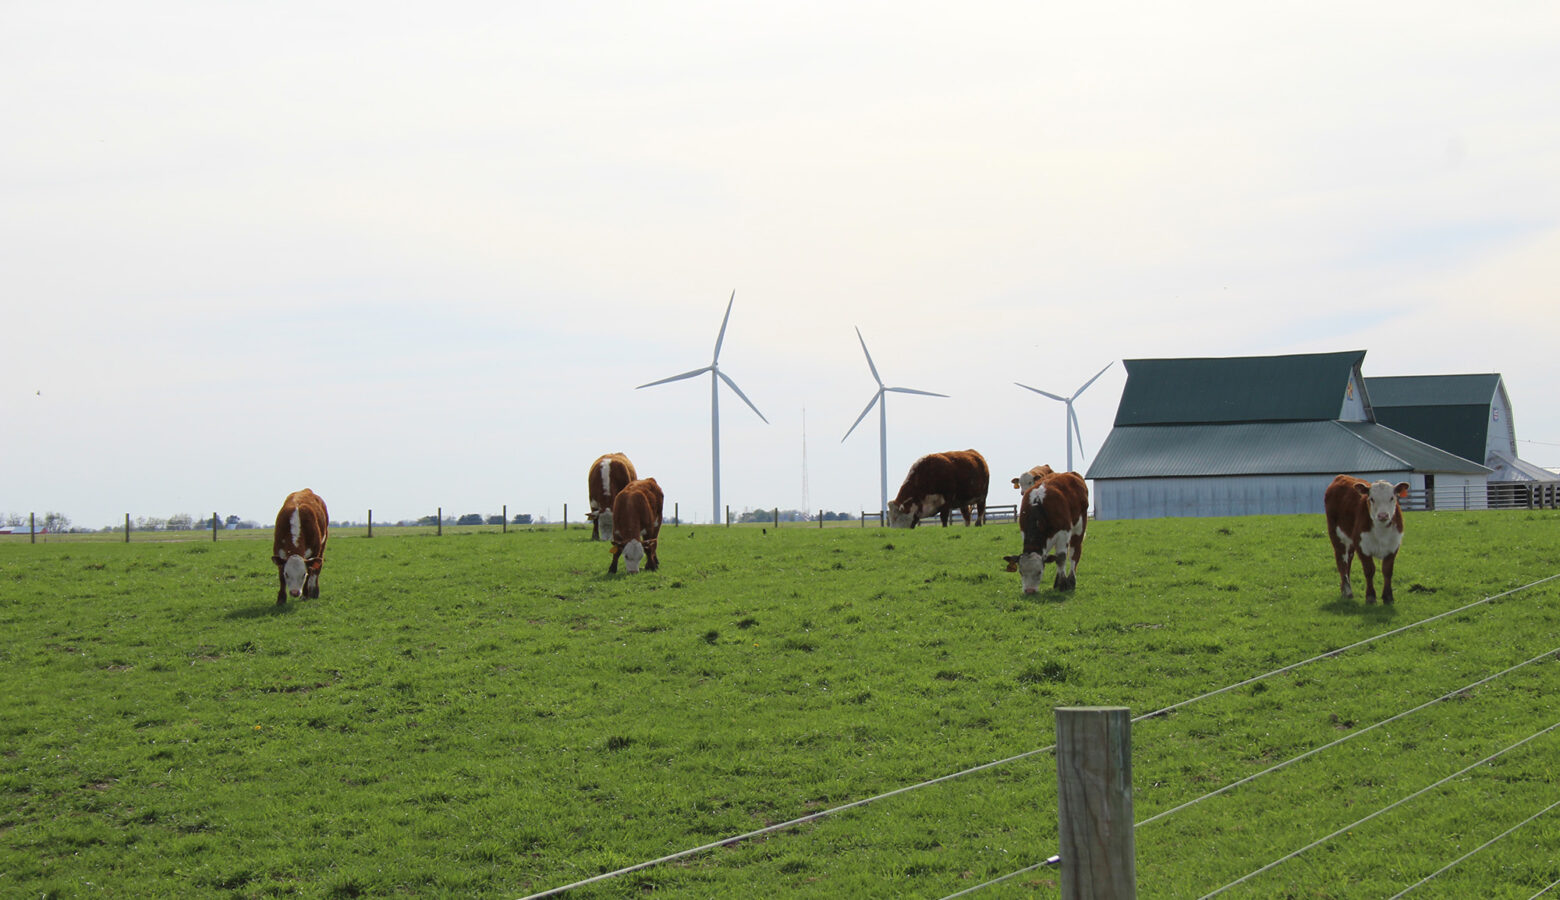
1469,415
1259,435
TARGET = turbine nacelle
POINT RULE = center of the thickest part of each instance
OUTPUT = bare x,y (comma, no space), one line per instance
1070,427
716,377
879,400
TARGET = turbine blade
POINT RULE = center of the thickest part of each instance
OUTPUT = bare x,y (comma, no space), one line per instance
869,358
721,338
900,390
1092,380
733,385
676,377
1038,391
871,403
1073,418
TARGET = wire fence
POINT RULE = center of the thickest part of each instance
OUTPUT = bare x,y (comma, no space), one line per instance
1548,655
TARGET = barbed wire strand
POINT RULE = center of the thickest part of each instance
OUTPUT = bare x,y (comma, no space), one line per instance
1551,886
1341,650
802,820
813,817
1385,809
1001,878
1547,654
1235,784
1431,877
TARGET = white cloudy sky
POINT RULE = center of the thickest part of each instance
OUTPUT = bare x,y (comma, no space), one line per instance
419,255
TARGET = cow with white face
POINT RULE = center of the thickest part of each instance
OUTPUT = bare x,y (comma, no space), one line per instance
1022,482
1365,518
636,526
1053,518
939,483
298,545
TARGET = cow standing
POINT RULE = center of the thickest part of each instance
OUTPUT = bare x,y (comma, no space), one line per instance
1053,518
940,483
1022,482
607,476
1365,519
298,548
636,525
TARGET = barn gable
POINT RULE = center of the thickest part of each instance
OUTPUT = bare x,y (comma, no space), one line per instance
1243,435
1469,415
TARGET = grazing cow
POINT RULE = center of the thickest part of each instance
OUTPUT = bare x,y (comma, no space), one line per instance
1365,519
636,525
1053,518
940,483
607,476
1023,481
298,548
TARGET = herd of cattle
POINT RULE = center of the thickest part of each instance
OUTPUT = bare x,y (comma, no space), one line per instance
1364,519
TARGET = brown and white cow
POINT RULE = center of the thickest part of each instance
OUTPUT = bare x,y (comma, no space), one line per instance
1023,481
636,525
1365,519
940,483
1053,518
607,476
298,547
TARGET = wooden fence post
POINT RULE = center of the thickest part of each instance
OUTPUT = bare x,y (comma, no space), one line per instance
777,517
566,517
371,522
32,528
505,517
439,517
213,528
820,518
676,516
728,515
1094,802
127,528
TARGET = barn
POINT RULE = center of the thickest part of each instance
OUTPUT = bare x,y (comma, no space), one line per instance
1259,435
1469,415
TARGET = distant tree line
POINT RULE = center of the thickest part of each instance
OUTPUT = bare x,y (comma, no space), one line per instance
756,516
470,519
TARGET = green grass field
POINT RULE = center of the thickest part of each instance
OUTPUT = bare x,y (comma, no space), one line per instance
491,715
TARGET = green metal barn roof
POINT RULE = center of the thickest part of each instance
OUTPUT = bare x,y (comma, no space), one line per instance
1302,387
1268,448
1449,411
1433,390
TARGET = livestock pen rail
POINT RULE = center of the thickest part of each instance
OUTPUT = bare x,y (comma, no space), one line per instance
1495,495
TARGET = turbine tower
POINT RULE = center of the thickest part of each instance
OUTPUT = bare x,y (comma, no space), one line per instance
1070,424
882,405
716,377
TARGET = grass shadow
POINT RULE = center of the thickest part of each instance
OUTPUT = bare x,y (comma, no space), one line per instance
1377,611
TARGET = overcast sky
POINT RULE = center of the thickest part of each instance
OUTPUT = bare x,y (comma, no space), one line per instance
420,255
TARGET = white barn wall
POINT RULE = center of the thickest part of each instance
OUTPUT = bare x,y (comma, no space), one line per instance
1461,491
1267,495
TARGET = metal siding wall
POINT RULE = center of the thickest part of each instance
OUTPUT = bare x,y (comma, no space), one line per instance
1154,498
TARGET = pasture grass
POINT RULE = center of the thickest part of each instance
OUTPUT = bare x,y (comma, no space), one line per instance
490,715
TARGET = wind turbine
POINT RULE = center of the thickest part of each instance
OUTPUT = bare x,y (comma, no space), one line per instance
1070,425
716,377
882,405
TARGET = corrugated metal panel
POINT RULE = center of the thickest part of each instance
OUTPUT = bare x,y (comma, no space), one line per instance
1267,448
1461,430
1152,498
1415,454
1300,387
1432,390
